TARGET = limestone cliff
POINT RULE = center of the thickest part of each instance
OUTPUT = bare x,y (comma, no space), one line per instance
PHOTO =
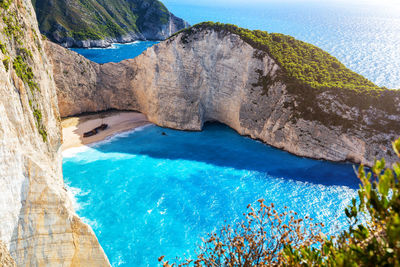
209,75
37,222
5,258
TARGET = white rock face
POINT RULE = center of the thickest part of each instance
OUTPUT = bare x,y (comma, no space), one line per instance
182,83
37,222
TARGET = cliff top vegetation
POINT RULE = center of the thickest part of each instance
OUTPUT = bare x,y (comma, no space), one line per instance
301,62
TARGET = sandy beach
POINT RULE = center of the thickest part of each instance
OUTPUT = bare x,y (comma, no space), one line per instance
75,127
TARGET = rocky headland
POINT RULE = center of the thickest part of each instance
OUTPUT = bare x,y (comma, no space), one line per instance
99,23
215,72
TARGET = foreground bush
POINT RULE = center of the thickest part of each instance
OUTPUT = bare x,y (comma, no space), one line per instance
268,238
258,240
374,242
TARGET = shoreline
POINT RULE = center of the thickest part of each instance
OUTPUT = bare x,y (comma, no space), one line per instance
111,45
118,122
125,122
100,43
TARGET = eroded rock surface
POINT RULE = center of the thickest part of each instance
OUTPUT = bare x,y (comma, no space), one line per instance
38,224
184,82
5,258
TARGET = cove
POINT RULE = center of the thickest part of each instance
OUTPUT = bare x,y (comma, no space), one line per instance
115,53
157,191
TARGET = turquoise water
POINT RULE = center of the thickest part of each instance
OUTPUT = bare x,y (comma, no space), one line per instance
147,194
365,38
116,53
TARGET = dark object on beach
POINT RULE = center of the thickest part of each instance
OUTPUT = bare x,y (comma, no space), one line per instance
96,130
90,133
102,127
163,133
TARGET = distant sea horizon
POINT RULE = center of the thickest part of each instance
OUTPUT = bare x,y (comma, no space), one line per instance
365,38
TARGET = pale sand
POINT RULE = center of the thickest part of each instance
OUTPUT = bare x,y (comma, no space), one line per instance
74,127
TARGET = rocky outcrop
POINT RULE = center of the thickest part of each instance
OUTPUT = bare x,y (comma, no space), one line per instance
149,32
99,23
183,83
38,224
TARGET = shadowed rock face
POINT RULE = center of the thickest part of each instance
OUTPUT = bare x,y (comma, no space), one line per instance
182,84
38,224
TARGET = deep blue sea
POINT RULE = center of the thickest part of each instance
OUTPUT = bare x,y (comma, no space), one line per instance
147,194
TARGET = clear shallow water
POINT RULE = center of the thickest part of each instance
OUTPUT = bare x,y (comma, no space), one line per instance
146,194
365,38
115,53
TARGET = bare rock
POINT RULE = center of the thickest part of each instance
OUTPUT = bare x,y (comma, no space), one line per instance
38,224
183,83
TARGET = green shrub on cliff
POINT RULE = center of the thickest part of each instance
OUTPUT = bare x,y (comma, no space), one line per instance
6,63
24,71
373,237
301,62
20,56
5,4
3,48
374,243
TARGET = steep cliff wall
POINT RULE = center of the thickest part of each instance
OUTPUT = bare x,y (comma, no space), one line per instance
37,222
5,258
209,75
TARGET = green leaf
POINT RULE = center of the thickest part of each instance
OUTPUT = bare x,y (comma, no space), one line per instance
396,168
396,147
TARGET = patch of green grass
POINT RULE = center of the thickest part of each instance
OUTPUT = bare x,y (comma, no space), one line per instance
12,28
5,4
3,48
87,34
15,31
6,63
24,71
38,117
25,53
36,39
308,72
